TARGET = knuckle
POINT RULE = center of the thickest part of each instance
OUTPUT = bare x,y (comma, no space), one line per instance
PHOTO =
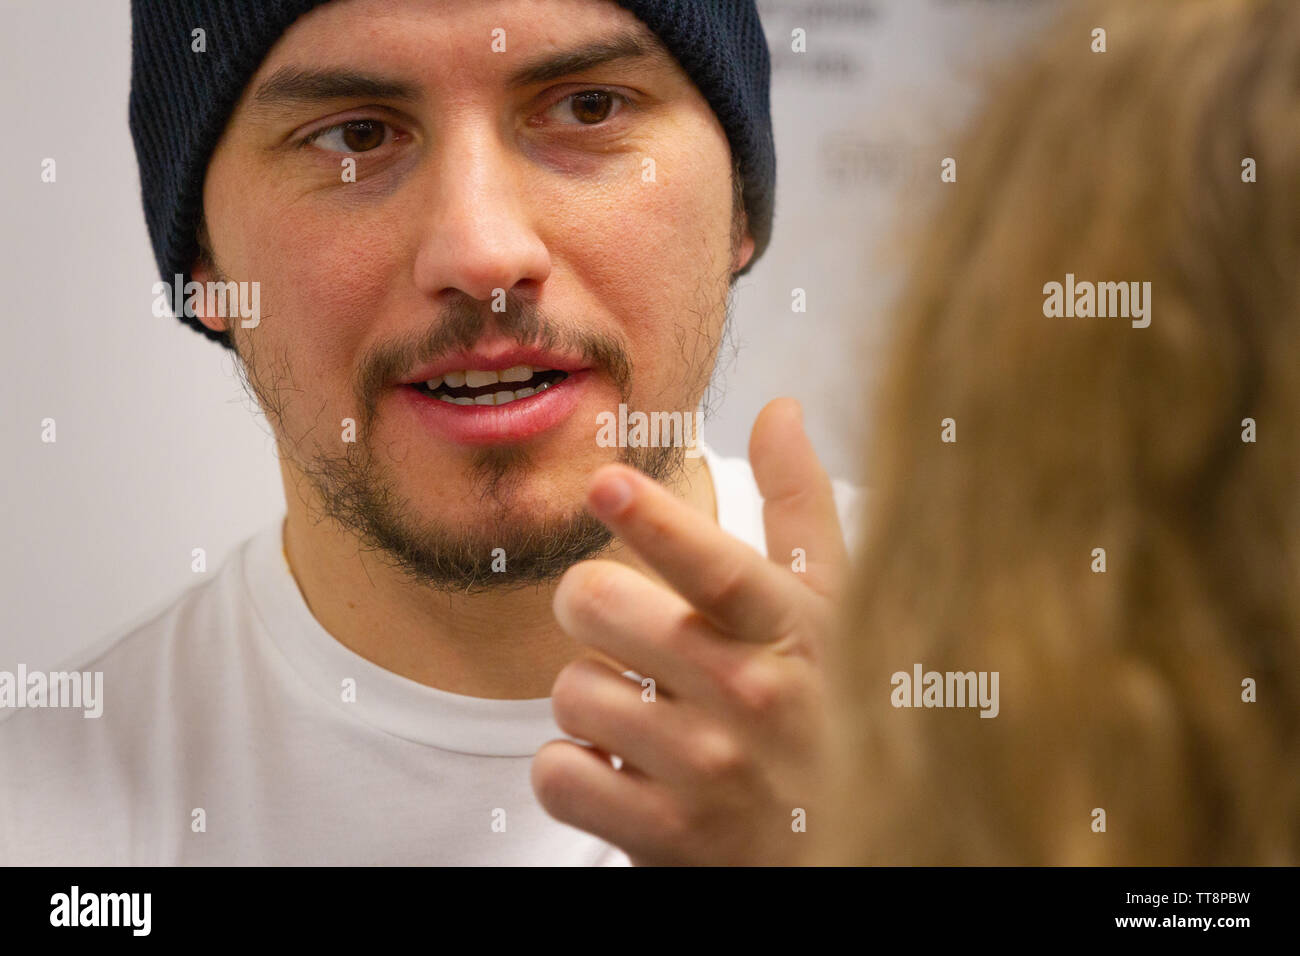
655,523
717,755
728,586
761,691
683,636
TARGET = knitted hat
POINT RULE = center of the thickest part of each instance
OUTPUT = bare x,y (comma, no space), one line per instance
181,100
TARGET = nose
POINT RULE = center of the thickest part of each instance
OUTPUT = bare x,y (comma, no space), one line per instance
478,234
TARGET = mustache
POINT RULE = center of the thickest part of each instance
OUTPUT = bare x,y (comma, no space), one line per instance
464,323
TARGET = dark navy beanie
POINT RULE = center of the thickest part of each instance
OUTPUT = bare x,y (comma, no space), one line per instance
181,100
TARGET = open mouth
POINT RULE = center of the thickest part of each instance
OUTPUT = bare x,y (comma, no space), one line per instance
474,387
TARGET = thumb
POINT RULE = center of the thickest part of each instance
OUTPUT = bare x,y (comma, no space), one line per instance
798,500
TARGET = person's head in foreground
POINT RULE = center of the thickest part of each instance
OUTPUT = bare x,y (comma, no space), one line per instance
1147,713
551,192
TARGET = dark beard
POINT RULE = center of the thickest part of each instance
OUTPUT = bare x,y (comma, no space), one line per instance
357,494
442,559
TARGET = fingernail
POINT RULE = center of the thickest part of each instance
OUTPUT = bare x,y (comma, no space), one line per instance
611,496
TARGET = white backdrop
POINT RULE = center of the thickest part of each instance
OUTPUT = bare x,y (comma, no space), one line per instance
158,450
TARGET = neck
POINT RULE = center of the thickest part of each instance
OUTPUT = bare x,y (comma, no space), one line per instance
505,645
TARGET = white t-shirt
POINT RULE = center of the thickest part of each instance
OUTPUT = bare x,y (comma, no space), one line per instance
225,739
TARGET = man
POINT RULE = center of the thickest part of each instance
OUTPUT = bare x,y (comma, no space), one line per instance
475,228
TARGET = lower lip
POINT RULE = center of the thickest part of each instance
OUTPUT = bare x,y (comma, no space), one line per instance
493,424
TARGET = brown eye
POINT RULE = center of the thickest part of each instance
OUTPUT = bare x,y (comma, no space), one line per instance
359,136
592,106
351,136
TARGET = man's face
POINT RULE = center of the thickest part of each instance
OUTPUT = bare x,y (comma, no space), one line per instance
586,214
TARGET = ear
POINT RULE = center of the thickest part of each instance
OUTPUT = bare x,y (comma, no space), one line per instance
746,251
202,271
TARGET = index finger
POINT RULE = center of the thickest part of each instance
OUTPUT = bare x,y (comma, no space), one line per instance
731,584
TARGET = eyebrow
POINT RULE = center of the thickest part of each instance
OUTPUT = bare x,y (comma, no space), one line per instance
622,46
290,86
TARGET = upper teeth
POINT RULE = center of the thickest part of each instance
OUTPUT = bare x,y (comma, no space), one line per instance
476,379
494,398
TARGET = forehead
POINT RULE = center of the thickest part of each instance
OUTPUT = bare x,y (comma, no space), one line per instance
461,43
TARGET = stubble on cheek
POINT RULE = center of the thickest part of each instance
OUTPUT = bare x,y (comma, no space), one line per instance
345,482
